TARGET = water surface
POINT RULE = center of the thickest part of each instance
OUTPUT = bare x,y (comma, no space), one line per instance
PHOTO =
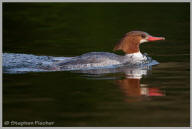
158,96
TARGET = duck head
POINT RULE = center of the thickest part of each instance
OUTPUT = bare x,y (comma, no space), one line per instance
131,41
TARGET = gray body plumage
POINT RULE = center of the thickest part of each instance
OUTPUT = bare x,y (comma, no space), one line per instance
27,62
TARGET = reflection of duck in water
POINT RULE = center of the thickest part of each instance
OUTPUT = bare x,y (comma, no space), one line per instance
131,86
129,44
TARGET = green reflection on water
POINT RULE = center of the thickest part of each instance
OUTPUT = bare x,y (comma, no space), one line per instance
71,29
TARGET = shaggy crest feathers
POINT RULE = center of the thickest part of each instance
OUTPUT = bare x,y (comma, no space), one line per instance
130,42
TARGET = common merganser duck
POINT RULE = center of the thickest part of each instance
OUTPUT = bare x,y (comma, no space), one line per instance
129,44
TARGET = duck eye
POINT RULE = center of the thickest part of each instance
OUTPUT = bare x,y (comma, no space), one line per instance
143,36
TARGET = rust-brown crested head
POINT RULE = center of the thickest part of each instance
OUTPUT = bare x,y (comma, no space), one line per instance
131,41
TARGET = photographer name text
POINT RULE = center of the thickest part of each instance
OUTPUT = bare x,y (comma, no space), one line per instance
28,123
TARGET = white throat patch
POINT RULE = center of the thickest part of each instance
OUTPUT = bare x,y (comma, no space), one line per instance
136,56
143,40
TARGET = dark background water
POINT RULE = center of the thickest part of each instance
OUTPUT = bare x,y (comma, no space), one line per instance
76,99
